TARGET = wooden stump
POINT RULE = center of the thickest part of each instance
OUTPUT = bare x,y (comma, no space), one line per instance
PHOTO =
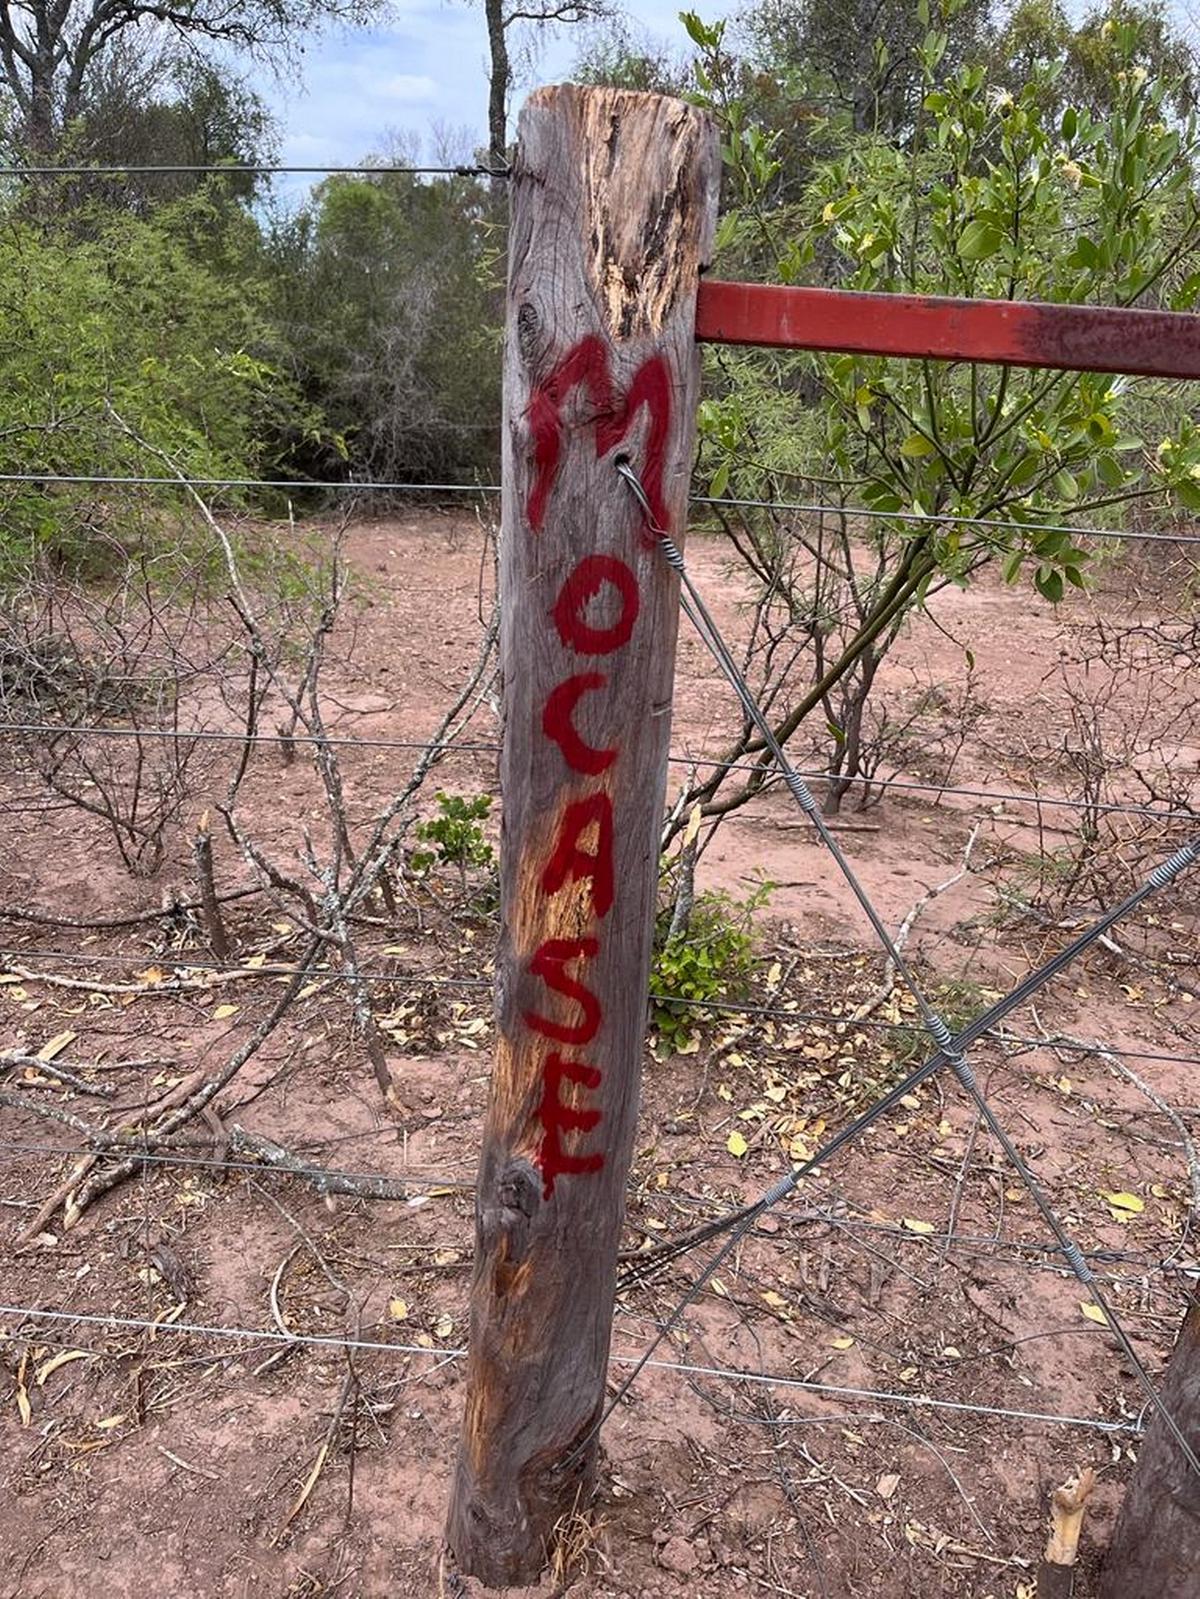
613,206
1056,1573
1155,1549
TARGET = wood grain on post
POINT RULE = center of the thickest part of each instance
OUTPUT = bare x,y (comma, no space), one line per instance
1155,1548
613,207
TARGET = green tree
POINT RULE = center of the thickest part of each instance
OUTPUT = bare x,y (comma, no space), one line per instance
51,51
989,197
385,293
122,333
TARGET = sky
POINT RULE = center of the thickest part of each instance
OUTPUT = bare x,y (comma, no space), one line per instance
425,72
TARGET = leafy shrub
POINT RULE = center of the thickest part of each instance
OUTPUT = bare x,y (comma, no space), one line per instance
712,960
117,346
456,834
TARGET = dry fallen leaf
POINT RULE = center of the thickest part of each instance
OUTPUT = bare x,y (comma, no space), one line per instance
398,1309
1093,1312
736,1144
56,1045
915,1226
842,1341
223,1012
23,1404
1123,1201
61,1359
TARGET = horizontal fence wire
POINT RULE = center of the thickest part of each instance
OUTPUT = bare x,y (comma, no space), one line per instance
327,1179
157,1325
318,974
814,507
711,762
234,169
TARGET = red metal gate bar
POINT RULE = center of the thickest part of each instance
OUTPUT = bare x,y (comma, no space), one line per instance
1083,338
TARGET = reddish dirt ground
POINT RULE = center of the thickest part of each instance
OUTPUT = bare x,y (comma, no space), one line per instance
177,1459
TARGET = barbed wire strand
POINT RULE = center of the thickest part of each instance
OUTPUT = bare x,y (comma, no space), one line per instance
809,507
951,1048
158,1325
712,762
236,169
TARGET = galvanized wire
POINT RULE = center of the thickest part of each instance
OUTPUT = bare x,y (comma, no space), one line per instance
475,747
241,169
851,1024
157,1325
809,507
950,1047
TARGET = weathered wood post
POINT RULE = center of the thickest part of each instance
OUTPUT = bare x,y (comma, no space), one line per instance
1155,1548
613,206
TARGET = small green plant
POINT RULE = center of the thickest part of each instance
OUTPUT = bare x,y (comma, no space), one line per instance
456,835
712,960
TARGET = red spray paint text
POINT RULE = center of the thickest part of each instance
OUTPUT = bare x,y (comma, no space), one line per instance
582,850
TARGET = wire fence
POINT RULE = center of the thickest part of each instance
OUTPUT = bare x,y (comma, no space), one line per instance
238,169
187,966
141,1149
948,519
184,734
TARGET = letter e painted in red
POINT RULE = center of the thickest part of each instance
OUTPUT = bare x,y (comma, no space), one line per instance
557,1118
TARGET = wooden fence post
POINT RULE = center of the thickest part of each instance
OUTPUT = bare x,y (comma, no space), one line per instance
613,207
1155,1548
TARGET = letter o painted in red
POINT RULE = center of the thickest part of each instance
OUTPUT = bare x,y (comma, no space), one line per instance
584,583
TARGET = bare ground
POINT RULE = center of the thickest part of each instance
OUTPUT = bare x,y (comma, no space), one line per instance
177,1459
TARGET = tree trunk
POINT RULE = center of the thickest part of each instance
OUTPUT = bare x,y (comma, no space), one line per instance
39,124
210,905
614,200
499,78
1155,1549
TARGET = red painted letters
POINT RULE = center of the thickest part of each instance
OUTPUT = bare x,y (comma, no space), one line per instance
587,367
549,964
571,862
557,1118
583,584
557,724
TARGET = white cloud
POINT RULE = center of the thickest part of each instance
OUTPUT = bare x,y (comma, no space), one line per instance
407,86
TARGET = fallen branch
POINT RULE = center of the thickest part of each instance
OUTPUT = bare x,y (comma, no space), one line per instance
883,993
12,913
172,1113
327,1183
60,1074
50,1113
172,985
